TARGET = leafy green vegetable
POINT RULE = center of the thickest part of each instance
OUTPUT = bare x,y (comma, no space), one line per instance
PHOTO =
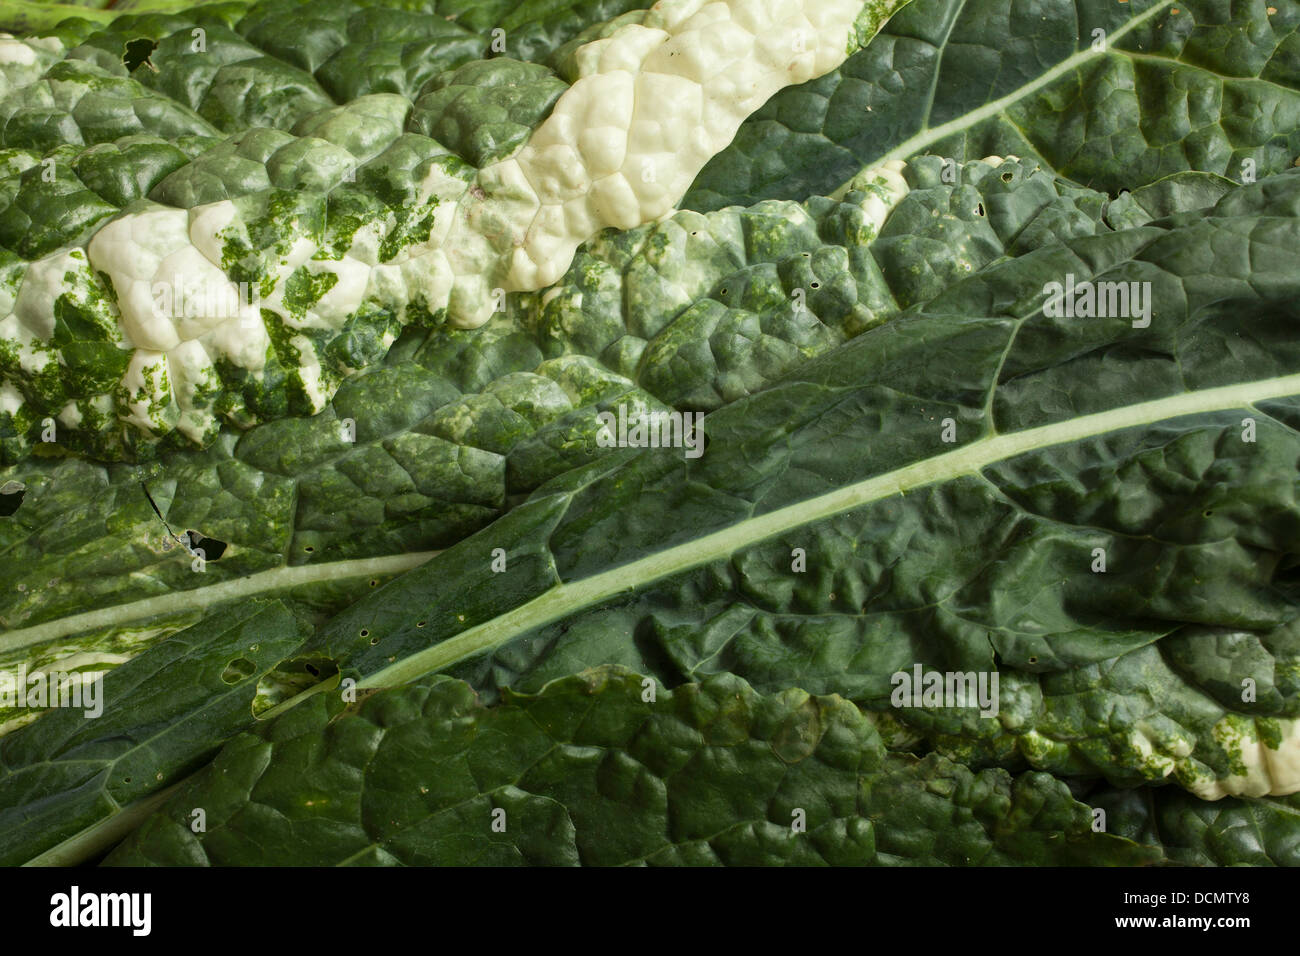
973,554
217,215
455,425
1231,832
85,769
1109,95
970,537
588,771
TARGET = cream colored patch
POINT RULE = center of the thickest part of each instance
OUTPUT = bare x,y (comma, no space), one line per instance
650,105
653,103
1268,772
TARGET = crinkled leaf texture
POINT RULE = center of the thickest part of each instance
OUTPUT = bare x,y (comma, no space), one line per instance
688,314
909,461
1231,832
976,554
1170,447
1108,95
215,216
589,771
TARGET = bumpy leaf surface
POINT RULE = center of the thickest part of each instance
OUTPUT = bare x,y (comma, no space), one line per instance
898,455
588,772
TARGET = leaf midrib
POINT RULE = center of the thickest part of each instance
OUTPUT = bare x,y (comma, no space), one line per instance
202,598
919,141
565,599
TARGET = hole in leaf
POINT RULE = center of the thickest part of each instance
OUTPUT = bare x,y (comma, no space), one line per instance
11,496
419,623
241,668
212,548
374,583
979,209
137,52
1007,176
364,632
288,679
1033,660
814,285
309,549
